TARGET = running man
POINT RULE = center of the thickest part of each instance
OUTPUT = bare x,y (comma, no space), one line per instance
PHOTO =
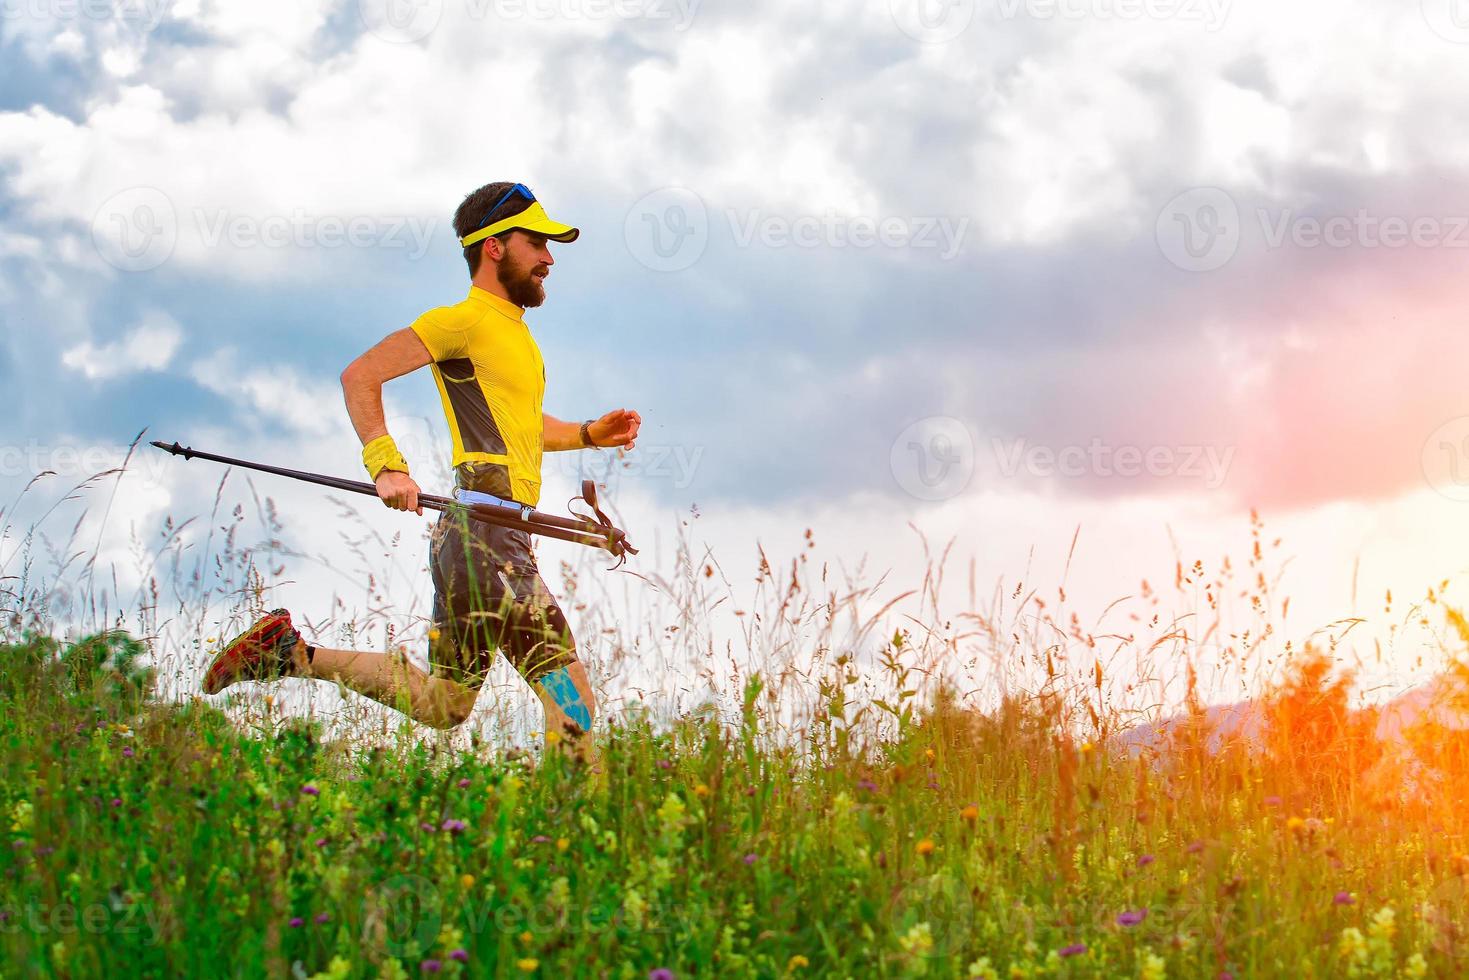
488,592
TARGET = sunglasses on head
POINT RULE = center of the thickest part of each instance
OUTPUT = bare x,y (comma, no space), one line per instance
520,189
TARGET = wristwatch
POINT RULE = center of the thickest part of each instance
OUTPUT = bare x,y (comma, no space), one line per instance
586,435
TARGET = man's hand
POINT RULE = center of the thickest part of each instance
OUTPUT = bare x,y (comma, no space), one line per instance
398,491
617,429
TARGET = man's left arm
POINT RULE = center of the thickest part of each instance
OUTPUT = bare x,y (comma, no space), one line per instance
617,429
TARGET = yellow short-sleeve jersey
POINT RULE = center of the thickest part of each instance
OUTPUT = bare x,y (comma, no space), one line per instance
492,382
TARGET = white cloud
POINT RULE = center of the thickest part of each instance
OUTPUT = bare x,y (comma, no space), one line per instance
149,346
277,392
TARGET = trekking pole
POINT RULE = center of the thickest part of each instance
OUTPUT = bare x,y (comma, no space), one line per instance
596,532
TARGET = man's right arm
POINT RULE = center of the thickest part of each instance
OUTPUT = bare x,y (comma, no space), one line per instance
395,355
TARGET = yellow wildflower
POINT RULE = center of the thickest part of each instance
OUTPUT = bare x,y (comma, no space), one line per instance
701,791
797,962
527,965
562,843
466,881
925,847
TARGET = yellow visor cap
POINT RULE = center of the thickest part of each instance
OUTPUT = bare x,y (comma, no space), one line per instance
533,219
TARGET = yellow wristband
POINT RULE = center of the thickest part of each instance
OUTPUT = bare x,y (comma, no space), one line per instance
382,454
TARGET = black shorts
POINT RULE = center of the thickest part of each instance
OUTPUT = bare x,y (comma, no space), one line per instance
488,596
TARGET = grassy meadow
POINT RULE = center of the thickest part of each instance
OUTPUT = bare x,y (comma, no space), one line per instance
809,828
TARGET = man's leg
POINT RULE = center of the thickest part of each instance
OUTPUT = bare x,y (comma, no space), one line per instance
272,648
392,679
571,708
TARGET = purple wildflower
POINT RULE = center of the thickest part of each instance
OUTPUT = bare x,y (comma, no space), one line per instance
1272,801
297,922
427,826
430,966
464,784
1145,860
1132,918
127,753
321,842
117,801
455,826
1344,898
323,918
460,955
540,839
310,790
662,973
751,858
867,784
1075,949
1195,847
664,764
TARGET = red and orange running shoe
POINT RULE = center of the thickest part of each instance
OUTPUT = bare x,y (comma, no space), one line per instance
261,653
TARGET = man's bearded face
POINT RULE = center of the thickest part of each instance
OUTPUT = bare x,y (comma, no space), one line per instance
523,277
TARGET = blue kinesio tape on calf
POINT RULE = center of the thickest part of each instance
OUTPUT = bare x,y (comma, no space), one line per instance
567,698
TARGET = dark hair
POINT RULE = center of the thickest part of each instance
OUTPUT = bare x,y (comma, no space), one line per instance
470,216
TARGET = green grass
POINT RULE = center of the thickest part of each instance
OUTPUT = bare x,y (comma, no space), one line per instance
151,839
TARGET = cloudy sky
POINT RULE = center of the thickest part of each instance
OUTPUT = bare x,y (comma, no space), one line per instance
1008,272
